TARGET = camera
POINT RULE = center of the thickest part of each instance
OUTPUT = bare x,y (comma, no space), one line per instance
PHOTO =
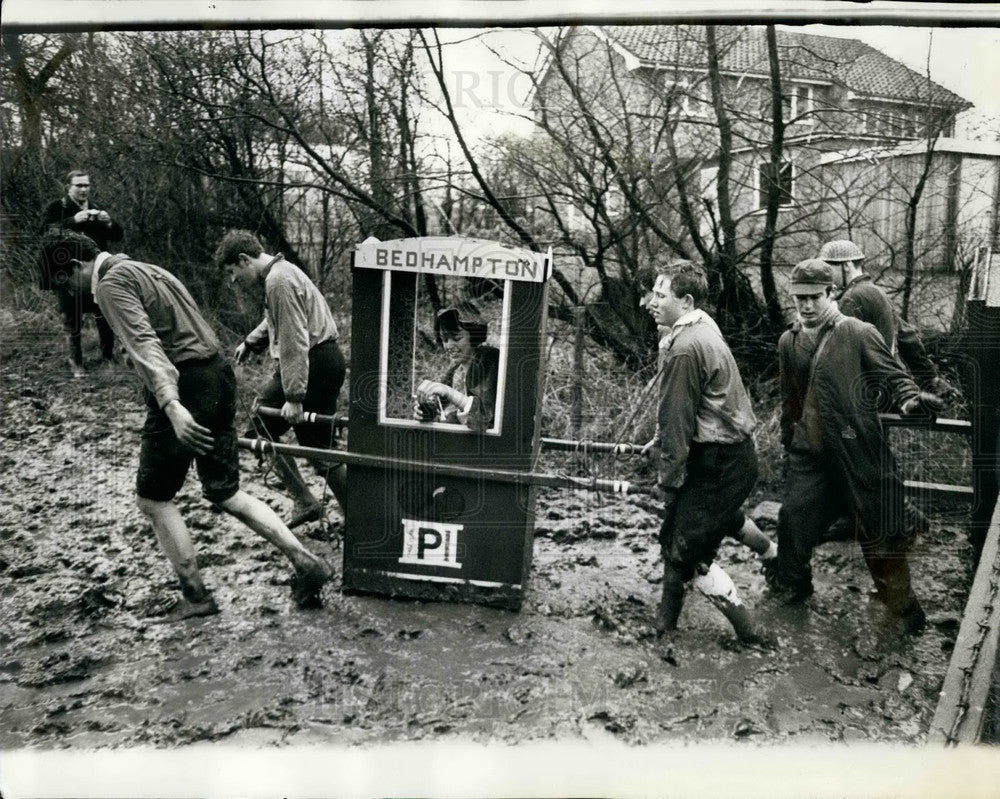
92,214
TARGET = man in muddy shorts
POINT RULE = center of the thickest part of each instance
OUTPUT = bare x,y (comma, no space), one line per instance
707,464
299,331
191,398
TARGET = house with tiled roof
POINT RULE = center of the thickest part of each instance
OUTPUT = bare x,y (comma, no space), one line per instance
839,97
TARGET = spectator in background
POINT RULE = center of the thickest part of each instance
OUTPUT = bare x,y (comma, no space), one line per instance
862,299
299,330
191,411
74,213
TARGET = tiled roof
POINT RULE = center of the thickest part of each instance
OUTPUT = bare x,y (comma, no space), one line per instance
860,67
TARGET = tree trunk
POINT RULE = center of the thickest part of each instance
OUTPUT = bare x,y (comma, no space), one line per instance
768,287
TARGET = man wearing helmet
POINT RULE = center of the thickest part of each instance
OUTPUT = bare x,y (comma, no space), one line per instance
862,299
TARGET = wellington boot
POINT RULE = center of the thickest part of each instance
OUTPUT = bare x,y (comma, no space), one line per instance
305,513
671,602
747,630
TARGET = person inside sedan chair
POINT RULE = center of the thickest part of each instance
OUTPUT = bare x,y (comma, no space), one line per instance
707,460
838,459
191,409
467,392
301,335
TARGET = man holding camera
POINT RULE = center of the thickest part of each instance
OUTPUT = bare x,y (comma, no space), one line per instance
74,213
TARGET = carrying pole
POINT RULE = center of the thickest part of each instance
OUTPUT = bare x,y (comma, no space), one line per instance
554,444
261,446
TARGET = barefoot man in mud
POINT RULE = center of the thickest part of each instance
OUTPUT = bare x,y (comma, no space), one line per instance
707,460
191,399
299,331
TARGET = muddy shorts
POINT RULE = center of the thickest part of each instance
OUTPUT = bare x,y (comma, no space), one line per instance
327,370
207,388
709,506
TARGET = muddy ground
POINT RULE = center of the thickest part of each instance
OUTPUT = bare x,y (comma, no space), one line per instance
82,666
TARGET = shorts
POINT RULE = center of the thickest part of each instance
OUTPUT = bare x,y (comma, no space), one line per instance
207,388
709,505
327,370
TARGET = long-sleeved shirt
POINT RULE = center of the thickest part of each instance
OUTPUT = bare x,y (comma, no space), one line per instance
702,397
296,319
154,317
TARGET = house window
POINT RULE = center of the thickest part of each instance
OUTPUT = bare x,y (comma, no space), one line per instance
614,202
690,96
797,103
784,182
804,103
708,180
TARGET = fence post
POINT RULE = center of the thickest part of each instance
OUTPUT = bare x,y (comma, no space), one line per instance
576,392
983,314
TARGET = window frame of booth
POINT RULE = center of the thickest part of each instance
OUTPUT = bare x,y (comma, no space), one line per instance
496,429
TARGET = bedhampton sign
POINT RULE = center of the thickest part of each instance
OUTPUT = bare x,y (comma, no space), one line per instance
459,257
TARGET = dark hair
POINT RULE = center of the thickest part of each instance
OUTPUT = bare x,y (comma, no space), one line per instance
59,251
448,322
75,173
645,277
234,243
686,277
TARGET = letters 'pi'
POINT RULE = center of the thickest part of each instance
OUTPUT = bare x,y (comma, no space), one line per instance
430,543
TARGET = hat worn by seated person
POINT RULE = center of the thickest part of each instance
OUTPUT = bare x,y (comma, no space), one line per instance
449,322
810,277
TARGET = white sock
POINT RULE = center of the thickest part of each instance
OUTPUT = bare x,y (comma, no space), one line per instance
716,584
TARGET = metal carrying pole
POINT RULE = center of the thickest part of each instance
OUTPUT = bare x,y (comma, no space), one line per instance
555,444
261,446
923,422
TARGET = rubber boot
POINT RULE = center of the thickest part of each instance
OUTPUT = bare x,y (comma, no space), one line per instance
311,575
336,479
750,535
307,508
891,574
747,630
76,355
671,602
720,590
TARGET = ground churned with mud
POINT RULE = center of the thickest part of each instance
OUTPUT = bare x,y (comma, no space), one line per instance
81,578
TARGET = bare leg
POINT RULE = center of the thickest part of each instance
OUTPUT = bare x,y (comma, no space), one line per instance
311,572
175,541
